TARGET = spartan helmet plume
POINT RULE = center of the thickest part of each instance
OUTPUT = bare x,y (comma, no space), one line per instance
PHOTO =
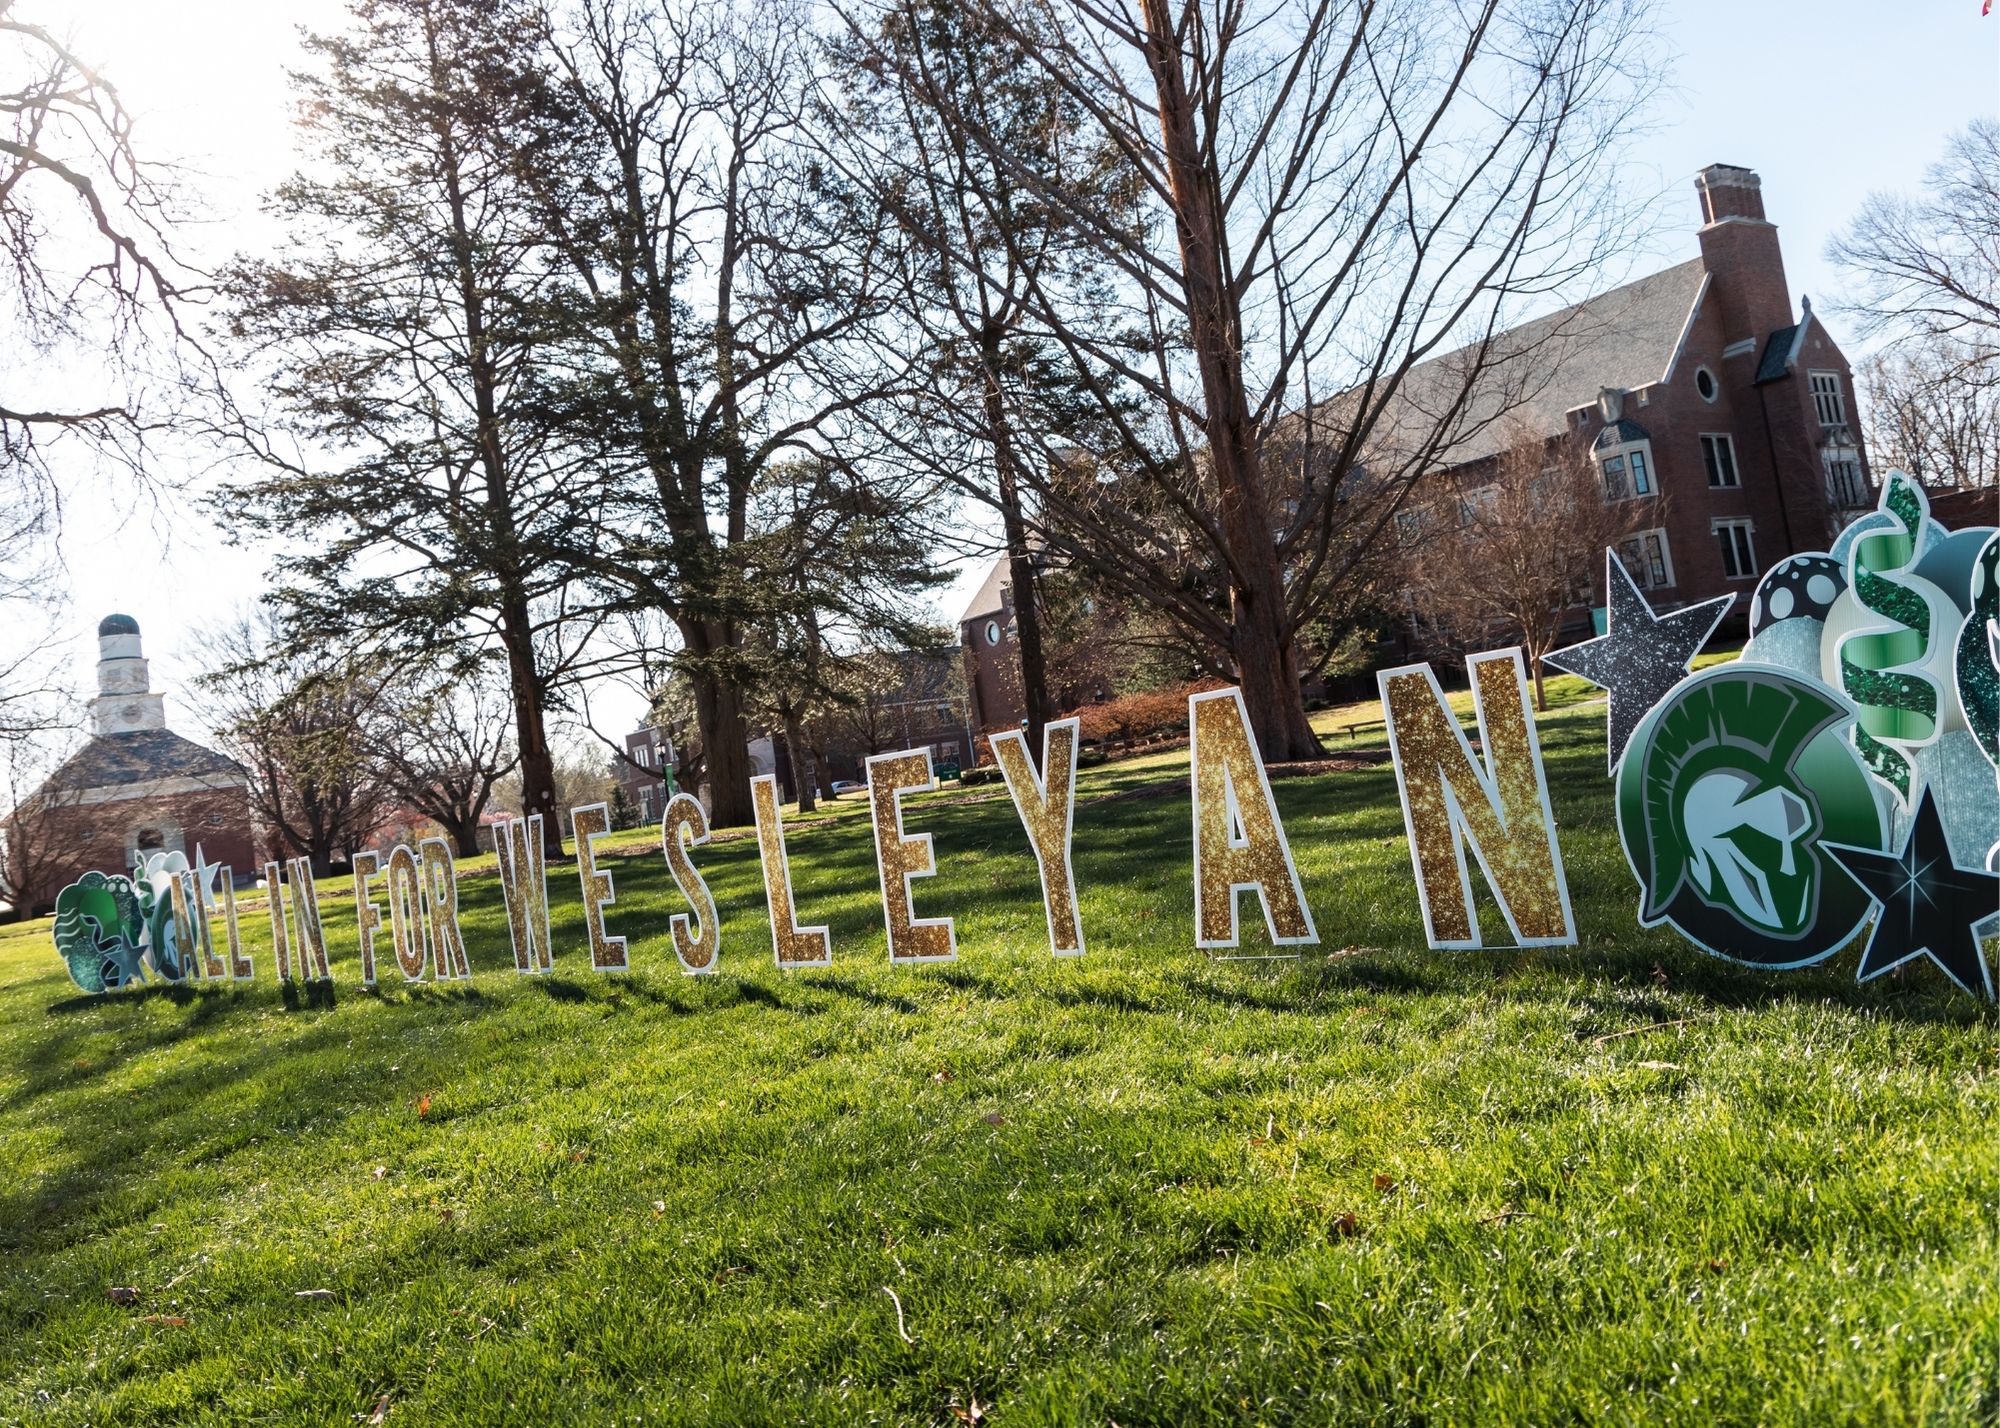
1745,848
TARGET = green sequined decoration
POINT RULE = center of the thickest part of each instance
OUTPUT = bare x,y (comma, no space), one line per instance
1978,679
1898,705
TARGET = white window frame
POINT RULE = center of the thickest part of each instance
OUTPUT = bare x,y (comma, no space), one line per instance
1722,440
1827,396
1747,528
1644,574
1623,455
644,756
646,805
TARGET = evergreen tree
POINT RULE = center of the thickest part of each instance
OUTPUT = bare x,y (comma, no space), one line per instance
403,333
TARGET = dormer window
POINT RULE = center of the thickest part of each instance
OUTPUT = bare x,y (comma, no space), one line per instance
1624,456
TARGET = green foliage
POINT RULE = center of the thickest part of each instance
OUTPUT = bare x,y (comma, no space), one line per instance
1617,1183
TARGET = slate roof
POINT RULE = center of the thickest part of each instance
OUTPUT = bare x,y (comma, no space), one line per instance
110,760
986,600
1625,338
1777,358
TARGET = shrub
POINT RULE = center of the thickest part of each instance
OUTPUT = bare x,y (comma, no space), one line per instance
1151,715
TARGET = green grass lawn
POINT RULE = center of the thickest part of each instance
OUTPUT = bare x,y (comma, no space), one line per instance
1620,1183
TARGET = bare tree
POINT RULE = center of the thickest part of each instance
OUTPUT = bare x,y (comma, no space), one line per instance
1508,550
1324,195
442,748
977,243
1930,266
84,251
1926,413
297,723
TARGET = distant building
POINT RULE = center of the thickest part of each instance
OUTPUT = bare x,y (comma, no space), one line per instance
136,788
986,636
646,771
1728,421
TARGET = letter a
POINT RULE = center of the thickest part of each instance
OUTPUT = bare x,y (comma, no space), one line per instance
1239,844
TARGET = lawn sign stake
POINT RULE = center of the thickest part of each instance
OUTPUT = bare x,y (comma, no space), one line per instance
1835,784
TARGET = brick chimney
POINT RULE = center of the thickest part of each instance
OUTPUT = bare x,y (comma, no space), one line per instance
1739,247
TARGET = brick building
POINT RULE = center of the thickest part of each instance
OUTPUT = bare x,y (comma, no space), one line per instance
134,789
646,771
991,653
1700,396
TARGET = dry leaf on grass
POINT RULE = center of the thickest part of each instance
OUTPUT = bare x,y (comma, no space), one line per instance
165,1321
973,1412
1346,1225
423,1105
377,1418
122,1294
315,1294
1385,1184
994,1118
381,1172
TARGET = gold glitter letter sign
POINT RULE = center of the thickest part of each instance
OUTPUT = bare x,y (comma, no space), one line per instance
1499,808
441,887
406,912
524,887
900,858
794,946
305,938
1047,806
1239,844
589,823
367,914
191,931
696,950
240,969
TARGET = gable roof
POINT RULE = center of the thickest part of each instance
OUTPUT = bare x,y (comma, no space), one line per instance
1626,338
112,760
987,600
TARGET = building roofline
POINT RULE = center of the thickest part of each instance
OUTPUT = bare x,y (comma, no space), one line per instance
1687,328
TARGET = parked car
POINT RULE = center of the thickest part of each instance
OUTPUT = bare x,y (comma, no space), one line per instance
848,785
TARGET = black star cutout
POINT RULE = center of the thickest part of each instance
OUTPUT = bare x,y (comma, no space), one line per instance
1640,655
1930,905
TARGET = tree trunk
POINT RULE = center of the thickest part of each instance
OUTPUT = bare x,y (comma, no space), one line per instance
538,773
803,772
725,746
465,837
1020,560
1261,644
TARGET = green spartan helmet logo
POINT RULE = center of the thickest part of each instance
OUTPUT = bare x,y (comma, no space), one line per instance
1724,795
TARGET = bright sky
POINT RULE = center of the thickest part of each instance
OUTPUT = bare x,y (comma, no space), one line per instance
1826,99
